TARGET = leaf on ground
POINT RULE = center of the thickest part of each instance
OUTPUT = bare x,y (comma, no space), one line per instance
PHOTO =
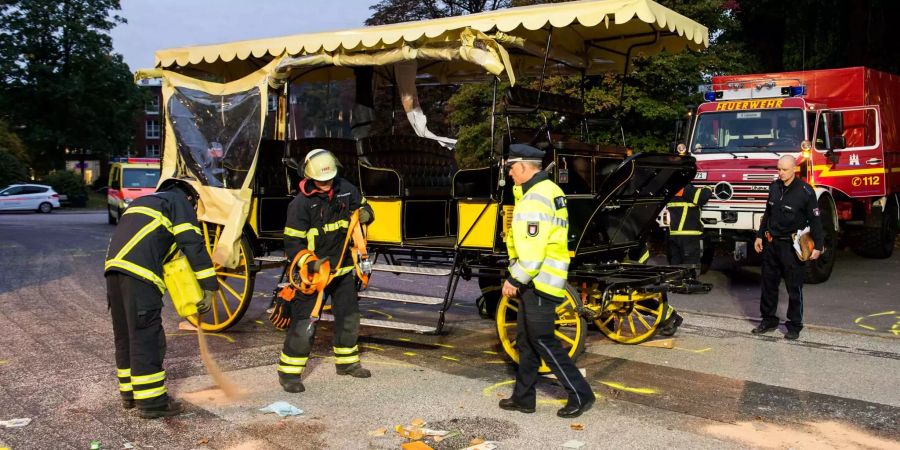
417,422
203,441
476,441
379,432
577,426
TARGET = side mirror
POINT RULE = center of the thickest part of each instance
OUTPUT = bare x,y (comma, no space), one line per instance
832,157
838,142
290,162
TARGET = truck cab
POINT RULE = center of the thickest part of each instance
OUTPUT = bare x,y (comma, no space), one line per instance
129,178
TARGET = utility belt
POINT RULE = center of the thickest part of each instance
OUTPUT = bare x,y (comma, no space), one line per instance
770,237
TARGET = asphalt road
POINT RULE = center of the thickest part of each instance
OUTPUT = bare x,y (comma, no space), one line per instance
720,387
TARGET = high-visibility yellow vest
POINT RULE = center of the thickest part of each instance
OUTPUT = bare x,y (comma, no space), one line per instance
537,241
678,230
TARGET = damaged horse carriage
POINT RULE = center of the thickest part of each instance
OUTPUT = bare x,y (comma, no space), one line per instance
240,115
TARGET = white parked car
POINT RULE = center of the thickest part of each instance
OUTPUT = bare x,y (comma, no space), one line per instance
28,197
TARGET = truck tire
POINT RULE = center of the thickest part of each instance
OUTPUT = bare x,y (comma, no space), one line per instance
878,241
819,270
110,218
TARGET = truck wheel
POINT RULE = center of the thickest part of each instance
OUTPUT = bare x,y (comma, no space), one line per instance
109,216
878,241
570,326
819,270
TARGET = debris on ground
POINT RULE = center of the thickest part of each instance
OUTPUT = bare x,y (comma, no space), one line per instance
379,432
484,445
203,441
283,409
15,423
659,343
577,426
128,445
573,444
415,445
95,445
184,325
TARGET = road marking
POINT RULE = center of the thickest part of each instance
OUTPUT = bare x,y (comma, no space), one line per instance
373,347
489,352
622,387
375,311
701,350
895,328
409,353
444,345
449,358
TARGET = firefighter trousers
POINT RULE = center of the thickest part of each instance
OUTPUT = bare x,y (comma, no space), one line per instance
139,338
685,250
299,339
780,262
535,341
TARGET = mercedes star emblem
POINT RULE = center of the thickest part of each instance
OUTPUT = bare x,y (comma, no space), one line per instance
723,190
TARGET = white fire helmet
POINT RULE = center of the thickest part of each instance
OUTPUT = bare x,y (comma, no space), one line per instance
320,165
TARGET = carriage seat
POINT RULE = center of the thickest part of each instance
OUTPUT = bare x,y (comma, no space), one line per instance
406,167
343,149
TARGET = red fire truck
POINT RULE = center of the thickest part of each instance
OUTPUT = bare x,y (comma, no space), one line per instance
841,124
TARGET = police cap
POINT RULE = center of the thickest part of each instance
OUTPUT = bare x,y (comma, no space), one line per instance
524,152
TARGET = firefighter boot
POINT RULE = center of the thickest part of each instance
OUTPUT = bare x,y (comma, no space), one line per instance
355,370
172,408
128,403
670,326
292,385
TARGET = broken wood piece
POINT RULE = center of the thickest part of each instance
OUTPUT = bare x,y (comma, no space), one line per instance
659,343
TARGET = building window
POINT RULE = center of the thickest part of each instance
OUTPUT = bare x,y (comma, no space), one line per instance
152,150
152,105
152,129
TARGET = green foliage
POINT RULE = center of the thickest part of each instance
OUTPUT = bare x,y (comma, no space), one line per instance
12,170
61,86
70,184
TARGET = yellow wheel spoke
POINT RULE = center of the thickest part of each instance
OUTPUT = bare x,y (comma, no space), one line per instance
215,310
619,328
641,318
572,321
608,318
631,325
646,310
231,275
232,291
225,301
562,336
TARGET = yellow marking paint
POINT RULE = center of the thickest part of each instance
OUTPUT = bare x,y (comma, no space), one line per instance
699,350
205,333
489,352
404,339
555,401
490,389
449,358
495,361
622,387
409,353
444,345
3,361
895,328
259,322
382,313
373,347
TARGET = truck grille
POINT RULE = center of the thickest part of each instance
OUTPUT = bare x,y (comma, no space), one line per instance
743,192
760,177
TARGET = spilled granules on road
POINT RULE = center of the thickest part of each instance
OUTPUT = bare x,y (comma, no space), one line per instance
228,387
811,435
252,445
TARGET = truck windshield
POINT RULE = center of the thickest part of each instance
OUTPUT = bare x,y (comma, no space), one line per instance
770,130
140,178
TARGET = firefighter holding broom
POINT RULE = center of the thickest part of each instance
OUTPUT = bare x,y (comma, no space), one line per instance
316,234
151,231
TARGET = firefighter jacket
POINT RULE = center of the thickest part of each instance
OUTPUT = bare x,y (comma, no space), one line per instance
684,211
537,240
792,208
149,233
318,221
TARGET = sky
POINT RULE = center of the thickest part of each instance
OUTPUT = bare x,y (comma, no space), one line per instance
159,24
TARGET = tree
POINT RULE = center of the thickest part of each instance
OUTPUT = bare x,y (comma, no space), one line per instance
12,170
10,143
62,87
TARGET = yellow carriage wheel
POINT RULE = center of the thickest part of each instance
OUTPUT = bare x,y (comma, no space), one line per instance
235,285
632,319
570,326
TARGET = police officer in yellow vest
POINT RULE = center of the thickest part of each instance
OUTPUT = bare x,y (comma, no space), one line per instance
539,262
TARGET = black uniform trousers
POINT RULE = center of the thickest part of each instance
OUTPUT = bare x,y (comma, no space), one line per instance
534,341
301,333
779,261
139,337
685,249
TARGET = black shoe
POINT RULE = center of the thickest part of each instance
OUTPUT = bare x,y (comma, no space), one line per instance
511,405
293,386
355,370
173,408
764,328
671,325
792,335
571,411
128,403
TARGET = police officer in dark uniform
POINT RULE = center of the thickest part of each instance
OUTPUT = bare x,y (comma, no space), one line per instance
791,207
149,233
317,220
539,260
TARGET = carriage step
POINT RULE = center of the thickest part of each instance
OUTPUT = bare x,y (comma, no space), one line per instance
398,297
439,272
270,259
405,326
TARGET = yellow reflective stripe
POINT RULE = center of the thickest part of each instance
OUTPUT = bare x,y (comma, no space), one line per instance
294,233
517,272
205,273
696,196
137,270
149,393
125,387
150,212
644,257
346,359
683,219
171,251
685,233
680,204
123,372
291,369
147,379
182,227
343,271
334,226
345,350
138,237
311,239
297,361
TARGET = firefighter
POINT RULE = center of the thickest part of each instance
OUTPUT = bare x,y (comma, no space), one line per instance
539,262
685,241
791,206
317,220
150,231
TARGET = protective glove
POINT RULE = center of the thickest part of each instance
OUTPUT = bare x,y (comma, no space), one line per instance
365,217
205,303
314,266
281,314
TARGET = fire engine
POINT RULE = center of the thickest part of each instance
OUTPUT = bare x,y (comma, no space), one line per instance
840,124
129,178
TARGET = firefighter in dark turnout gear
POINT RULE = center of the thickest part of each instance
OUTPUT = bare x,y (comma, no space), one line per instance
152,229
537,244
317,220
791,206
685,243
